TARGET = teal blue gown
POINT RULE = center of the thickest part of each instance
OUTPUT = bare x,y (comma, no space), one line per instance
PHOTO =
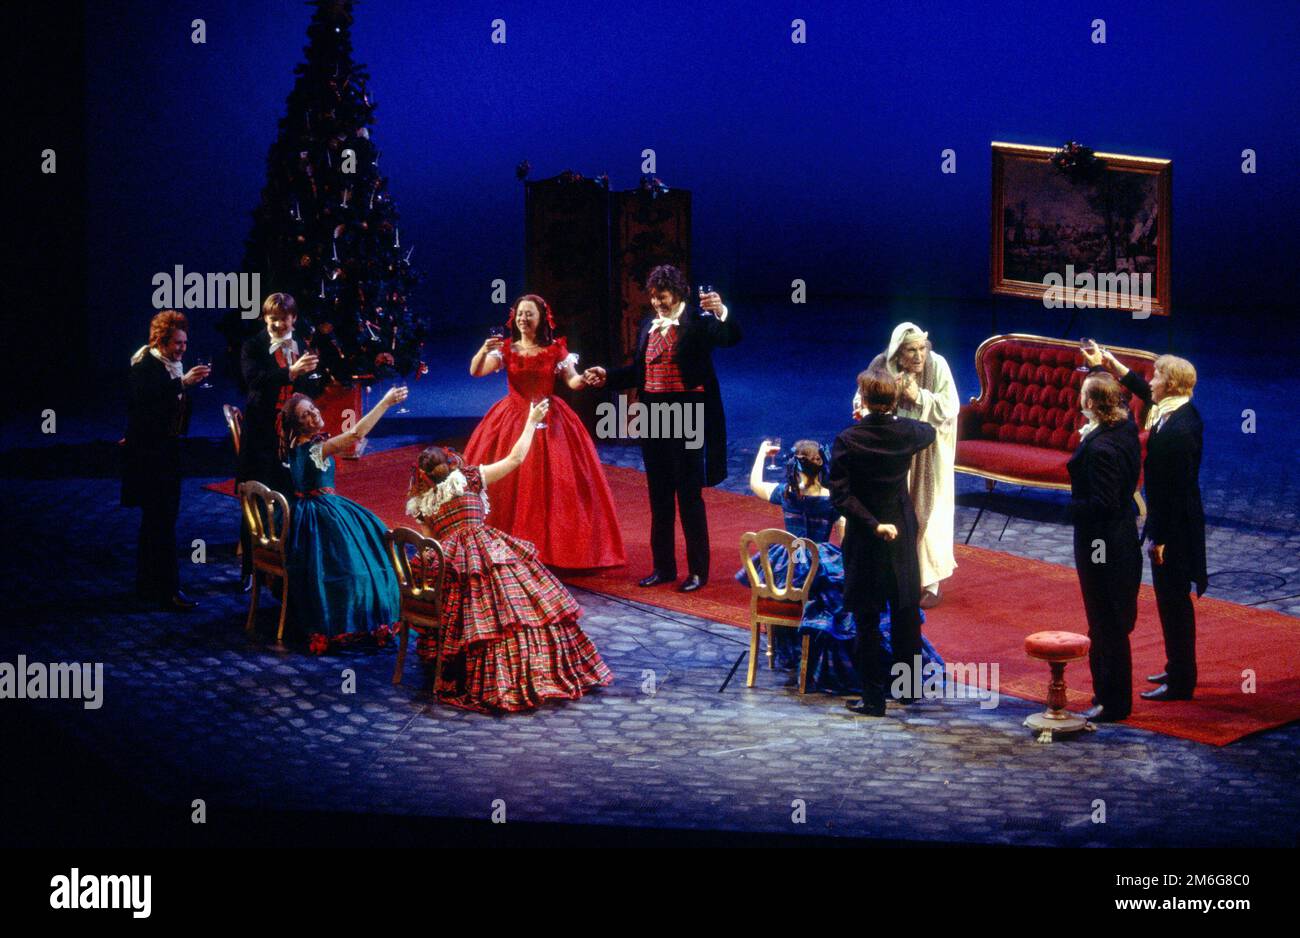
340,578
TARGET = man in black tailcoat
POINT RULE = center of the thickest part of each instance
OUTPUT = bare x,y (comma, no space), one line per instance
674,366
158,415
1175,524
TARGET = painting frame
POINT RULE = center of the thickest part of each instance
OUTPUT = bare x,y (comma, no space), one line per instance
1024,161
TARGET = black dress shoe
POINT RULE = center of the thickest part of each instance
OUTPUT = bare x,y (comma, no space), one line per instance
1100,714
692,583
1164,693
179,602
864,709
655,579
1158,678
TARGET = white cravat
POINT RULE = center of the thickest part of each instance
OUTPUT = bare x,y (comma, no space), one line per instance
287,343
174,369
663,323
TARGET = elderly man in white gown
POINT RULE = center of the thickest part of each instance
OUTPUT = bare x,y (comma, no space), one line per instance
927,392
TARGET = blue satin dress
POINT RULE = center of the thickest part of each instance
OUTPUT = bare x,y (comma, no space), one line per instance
340,578
829,625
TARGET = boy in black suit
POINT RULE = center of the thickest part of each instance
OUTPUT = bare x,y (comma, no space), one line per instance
869,466
272,368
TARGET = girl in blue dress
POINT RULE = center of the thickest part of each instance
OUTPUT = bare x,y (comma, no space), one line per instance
341,584
806,505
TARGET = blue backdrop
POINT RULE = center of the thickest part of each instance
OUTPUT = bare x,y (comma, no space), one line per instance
818,161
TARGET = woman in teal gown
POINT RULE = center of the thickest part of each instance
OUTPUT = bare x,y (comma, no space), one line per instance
806,506
341,584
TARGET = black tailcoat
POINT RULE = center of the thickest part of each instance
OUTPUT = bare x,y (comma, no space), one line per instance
1104,474
869,465
263,377
1172,471
701,333
158,415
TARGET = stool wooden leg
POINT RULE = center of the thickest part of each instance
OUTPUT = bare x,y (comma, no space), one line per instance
771,647
1056,689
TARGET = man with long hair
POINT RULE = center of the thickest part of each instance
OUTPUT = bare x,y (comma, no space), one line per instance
674,365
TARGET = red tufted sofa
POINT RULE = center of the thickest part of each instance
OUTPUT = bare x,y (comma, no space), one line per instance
1025,423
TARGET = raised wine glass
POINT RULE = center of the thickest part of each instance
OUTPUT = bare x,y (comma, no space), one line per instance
1086,344
206,362
771,454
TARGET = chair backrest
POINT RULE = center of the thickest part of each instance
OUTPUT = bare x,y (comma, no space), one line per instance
234,423
267,513
420,564
765,586
1029,390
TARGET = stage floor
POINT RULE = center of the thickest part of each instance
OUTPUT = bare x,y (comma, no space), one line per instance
194,710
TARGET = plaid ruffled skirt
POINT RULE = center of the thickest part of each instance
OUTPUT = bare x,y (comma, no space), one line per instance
511,634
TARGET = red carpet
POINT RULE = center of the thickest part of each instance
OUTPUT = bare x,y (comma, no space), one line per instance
991,603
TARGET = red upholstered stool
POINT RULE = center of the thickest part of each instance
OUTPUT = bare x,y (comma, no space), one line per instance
1058,649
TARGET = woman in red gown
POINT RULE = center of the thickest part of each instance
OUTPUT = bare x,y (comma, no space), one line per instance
559,499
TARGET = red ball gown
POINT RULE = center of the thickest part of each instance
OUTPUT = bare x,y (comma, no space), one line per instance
558,499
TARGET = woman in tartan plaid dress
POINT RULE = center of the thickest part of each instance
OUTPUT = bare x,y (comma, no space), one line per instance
512,637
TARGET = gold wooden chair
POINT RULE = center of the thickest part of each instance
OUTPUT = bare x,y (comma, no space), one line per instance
421,592
235,424
771,604
260,506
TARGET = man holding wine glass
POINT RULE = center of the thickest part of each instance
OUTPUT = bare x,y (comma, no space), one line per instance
673,364
272,369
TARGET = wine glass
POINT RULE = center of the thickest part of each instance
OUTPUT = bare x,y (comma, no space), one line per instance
1083,344
771,454
311,350
542,425
705,289
498,332
401,383
206,362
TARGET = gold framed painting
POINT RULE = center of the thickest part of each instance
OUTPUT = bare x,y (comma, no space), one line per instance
1079,229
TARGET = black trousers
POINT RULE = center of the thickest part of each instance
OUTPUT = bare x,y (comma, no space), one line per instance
869,658
1110,603
675,478
1172,582
157,575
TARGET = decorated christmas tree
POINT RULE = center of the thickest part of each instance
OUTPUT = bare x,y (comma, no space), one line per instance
326,230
